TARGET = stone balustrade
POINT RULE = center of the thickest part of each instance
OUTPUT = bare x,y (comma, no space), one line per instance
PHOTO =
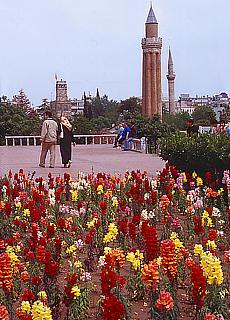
139,145
79,138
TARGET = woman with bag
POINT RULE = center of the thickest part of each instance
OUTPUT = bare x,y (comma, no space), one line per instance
65,130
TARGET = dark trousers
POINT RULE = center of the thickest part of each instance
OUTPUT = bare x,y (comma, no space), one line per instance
65,149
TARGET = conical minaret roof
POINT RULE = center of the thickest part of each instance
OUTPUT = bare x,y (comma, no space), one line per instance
151,16
170,60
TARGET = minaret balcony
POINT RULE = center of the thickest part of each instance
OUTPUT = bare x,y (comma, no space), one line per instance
171,76
151,41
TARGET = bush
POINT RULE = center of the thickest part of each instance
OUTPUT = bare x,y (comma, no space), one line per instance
197,153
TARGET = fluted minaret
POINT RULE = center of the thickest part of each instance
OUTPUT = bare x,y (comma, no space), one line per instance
151,71
171,79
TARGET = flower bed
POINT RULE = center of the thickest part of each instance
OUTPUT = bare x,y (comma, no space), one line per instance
114,247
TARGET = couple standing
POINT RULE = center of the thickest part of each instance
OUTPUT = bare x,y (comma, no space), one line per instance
50,133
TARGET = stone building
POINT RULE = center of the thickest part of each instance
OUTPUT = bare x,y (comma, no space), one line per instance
63,105
151,71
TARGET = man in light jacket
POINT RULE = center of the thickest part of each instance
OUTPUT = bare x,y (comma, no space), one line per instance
48,139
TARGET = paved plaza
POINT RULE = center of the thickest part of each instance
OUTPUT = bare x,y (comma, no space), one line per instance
96,158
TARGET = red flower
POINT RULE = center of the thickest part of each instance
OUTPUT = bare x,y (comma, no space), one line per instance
208,177
4,315
61,223
123,226
109,280
199,283
27,295
40,254
103,207
89,236
212,234
113,308
149,234
36,280
132,230
51,268
198,227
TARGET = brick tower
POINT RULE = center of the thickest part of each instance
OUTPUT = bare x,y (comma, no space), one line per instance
61,91
151,72
62,104
171,78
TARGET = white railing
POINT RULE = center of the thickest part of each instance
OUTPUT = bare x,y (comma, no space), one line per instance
139,145
22,140
35,140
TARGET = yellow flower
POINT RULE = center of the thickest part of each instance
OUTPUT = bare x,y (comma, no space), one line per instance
76,291
26,212
100,189
205,217
178,244
159,261
74,194
71,249
91,223
198,249
12,255
199,181
221,190
42,295
135,259
212,268
185,178
107,250
194,175
40,311
112,233
211,244
115,202
18,205
78,264
25,307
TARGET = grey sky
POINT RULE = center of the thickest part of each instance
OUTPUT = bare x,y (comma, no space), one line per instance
93,44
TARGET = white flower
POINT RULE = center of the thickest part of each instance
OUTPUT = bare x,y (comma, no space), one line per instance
151,214
101,261
216,212
144,214
146,196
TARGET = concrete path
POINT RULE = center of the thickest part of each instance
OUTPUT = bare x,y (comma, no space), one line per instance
96,158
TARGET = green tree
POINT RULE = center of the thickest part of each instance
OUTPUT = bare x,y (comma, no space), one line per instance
178,121
21,100
82,125
204,115
100,123
131,105
15,121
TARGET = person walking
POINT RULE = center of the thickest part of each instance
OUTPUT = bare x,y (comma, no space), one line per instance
48,139
119,136
65,131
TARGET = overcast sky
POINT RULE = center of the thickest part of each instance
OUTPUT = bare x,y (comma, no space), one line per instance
96,43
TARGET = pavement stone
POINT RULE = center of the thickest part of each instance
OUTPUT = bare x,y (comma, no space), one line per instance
86,158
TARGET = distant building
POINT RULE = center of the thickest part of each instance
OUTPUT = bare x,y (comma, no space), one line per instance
63,105
218,103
